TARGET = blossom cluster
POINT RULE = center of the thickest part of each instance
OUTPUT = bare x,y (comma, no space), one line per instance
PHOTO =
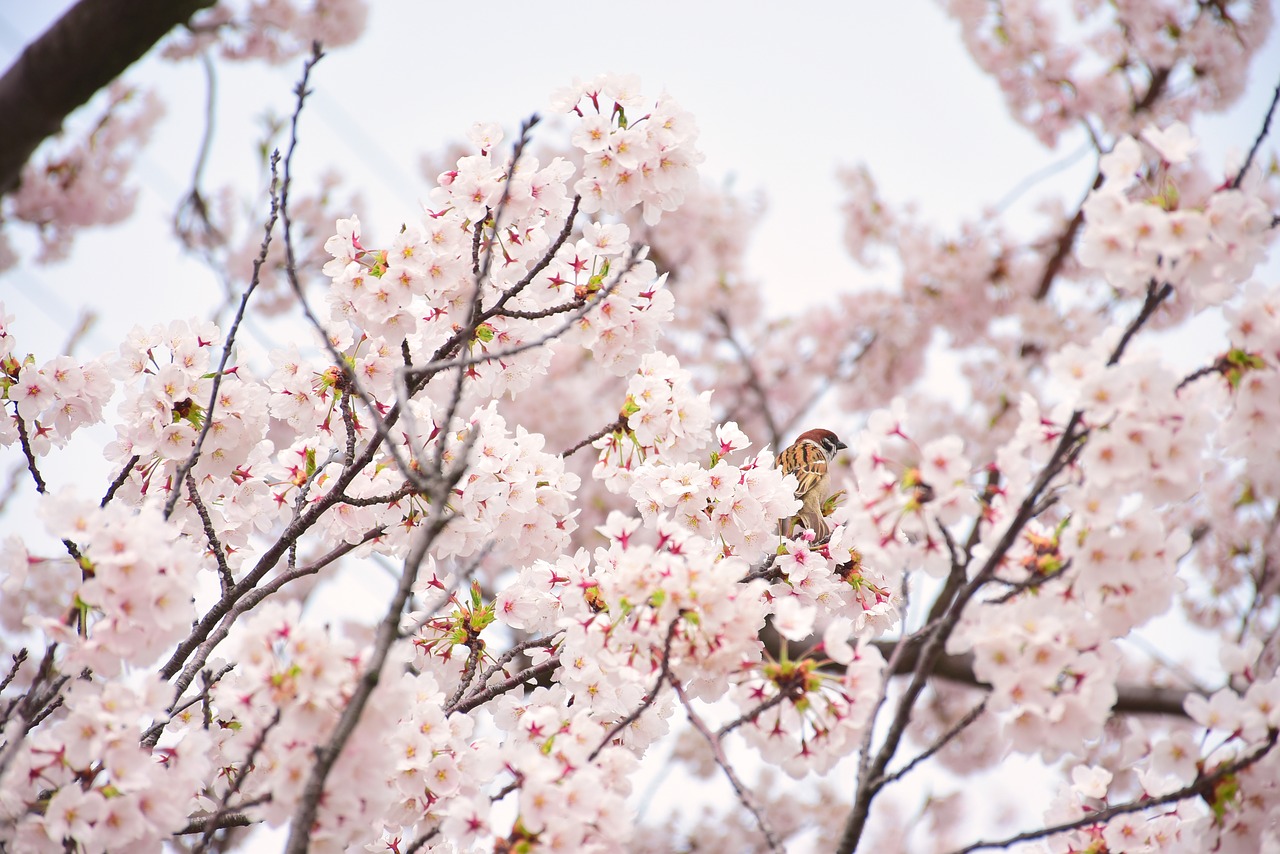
735,505
1234,725
85,777
134,598
648,160
53,400
906,491
270,30
1205,253
663,419
1060,65
407,762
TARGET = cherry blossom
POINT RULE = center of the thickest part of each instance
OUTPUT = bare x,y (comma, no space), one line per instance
564,621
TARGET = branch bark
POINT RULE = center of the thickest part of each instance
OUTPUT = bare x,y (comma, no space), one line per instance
84,50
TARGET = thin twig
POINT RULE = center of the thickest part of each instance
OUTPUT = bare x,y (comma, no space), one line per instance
547,641
753,379
717,752
246,598
1202,788
215,545
1219,366
151,736
943,740
479,698
1257,142
374,500
230,341
750,716
443,364
468,671
19,658
613,427
664,675
202,824
246,767
1035,582
119,481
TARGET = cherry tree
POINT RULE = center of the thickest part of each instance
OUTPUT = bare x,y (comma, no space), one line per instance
550,407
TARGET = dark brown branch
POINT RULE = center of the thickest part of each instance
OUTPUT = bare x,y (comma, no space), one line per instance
84,50
567,229
27,452
576,302
119,481
481,697
507,657
422,840
19,658
1155,296
25,441
215,545
1219,366
763,569
217,822
1062,249
1159,79
375,500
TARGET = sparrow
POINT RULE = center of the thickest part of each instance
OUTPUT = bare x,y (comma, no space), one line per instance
808,459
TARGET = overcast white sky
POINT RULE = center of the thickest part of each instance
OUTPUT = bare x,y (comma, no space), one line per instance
782,98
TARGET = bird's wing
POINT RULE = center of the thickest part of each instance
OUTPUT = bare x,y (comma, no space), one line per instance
809,467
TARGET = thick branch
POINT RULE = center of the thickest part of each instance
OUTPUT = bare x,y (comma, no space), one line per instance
1130,699
84,50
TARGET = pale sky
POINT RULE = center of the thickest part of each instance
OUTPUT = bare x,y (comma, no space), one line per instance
782,101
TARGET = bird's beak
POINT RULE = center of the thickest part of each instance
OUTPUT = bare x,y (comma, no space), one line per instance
840,446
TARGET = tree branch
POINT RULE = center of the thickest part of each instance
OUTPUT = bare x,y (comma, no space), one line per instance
717,751
84,50
1257,141
1203,788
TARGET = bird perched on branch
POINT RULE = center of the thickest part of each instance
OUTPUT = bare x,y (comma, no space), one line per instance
809,459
